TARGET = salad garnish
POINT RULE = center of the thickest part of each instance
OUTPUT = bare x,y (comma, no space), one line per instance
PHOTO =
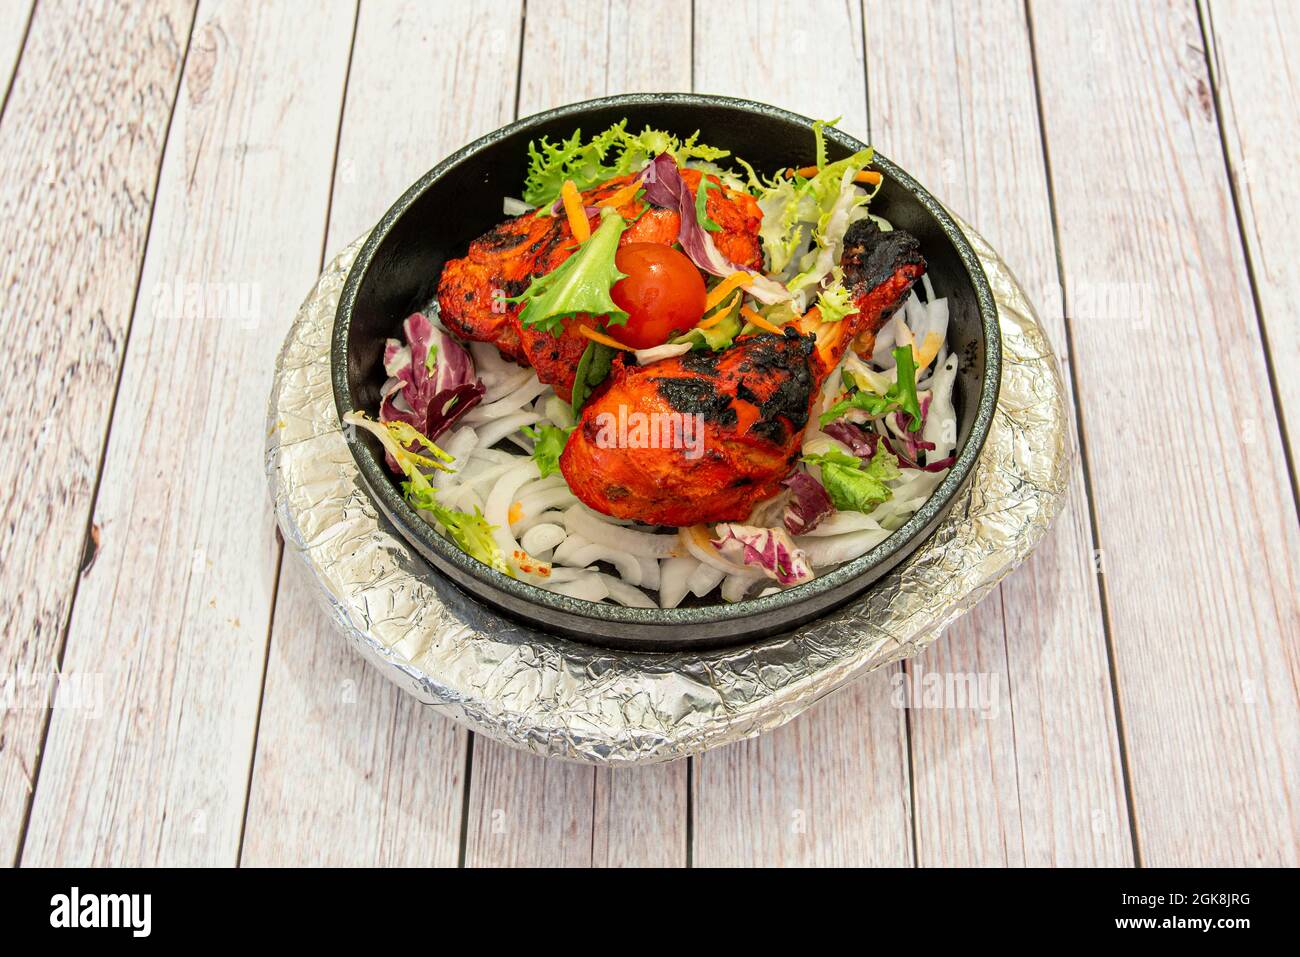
580,285
901,395
853,486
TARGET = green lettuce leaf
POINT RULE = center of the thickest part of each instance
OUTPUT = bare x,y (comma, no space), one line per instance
548,443
835,301
472,535
613,152
715,337
701,208
549,165
901,396
597,359
853,487
396,438
819,209
579,285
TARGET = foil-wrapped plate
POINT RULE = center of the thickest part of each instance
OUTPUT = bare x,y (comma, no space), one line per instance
562,699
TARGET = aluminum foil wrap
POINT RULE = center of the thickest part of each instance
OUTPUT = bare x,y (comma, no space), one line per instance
558,698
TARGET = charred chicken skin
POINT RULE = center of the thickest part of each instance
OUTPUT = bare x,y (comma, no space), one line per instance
511,255
754,399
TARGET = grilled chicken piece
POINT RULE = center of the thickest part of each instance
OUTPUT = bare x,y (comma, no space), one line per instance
754,398
509,256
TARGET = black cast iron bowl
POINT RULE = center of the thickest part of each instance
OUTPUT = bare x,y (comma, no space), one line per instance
397,270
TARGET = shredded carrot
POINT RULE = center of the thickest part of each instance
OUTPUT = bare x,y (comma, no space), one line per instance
759,321
623,196
723,289
516,512
603,339
573,209
862,176
721,314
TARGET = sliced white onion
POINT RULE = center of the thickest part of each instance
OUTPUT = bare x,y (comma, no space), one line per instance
629,569
496,456
459,445
735,586
554,480
561,574
545,518
841,523
941,421
704,579
834,549
559,412
541,538
625,594
493,432
649,572
505,384
548,498
570,547
490,365
515,207
497,510
667,351
510,402
590,587
583,521
674,579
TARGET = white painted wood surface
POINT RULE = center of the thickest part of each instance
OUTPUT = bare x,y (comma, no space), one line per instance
1028,773
1199,541
1252,46
175,612
195,756
14,17
75,206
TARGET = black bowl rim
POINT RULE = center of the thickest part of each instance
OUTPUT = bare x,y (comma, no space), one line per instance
379,482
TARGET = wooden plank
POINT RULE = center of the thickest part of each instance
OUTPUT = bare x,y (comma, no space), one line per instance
1252,61
832,786
14,17
396,768
412,59
1199,536
829,789
174,614
76,201
523,809
1026,769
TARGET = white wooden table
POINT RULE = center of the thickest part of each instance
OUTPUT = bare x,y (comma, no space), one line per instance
1134,161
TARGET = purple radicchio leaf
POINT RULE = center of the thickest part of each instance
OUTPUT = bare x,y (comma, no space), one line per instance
770,550
809,503
422,397
861,442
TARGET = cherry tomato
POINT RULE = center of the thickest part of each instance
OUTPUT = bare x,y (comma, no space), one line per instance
663,294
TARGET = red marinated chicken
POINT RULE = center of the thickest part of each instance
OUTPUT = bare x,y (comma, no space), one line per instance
508,258
754,398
